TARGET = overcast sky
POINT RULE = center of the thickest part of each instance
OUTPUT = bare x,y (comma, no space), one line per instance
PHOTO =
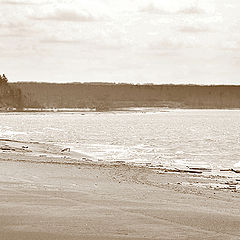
137,41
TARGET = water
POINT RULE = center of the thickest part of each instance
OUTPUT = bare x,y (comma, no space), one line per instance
199,138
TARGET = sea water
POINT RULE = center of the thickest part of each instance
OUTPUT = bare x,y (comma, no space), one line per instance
176,138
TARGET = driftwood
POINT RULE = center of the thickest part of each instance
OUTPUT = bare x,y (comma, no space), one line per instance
230,170
65,150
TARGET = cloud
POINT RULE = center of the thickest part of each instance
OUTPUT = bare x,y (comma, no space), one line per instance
151,8
231,45
21,32
9,35
68,16
12,25
17,29
16,3
194,29
166,44
192,10
59,41
93,44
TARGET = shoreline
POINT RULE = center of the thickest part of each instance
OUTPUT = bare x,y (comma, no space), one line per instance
47,196
45,153
125,109
110,202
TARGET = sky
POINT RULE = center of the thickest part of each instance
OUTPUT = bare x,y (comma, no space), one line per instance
127,41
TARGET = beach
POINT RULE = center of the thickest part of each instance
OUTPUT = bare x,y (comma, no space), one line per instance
119,120
47,196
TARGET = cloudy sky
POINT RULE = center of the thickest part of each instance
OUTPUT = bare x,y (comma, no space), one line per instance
137,41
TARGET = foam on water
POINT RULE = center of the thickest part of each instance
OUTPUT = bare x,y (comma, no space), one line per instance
237,164
7,132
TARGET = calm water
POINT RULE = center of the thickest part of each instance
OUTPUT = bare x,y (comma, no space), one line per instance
179,137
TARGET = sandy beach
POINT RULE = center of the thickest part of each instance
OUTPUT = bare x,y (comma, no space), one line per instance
119,120
45,195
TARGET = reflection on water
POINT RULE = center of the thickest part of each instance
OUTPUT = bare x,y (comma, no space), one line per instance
208,138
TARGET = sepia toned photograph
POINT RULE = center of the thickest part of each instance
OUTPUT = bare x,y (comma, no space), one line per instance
119,120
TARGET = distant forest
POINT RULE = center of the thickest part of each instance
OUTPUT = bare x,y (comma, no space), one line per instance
10,95
104,96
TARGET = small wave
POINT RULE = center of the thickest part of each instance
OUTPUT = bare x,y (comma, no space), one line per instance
237,164
54,129
11,133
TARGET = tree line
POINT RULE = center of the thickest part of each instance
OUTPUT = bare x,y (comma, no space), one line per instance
10,96
104,96
3,79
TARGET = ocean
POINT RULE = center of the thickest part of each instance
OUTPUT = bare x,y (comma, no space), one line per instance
174,138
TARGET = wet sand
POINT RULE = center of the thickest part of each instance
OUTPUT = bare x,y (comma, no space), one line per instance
43,199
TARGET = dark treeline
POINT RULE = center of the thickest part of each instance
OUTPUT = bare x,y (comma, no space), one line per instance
10,96
107,96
